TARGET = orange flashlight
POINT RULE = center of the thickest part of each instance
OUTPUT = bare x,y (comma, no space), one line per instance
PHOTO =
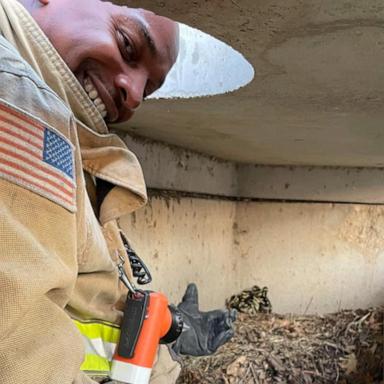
148,321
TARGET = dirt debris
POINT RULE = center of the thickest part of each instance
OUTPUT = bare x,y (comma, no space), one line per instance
344,347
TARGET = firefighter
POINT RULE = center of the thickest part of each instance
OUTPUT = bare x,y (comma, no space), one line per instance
67,69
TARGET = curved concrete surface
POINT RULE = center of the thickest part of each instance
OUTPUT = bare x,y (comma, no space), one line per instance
317,98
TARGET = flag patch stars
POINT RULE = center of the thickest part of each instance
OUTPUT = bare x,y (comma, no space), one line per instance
58,153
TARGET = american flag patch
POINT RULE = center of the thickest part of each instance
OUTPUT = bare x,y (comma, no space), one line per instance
36,157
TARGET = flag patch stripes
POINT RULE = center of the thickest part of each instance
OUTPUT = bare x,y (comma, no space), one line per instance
36,157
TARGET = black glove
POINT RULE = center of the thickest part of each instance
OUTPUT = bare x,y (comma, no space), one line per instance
203,332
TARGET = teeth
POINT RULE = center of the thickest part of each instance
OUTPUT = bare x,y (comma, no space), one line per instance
97,101
89,87
94,96
100,107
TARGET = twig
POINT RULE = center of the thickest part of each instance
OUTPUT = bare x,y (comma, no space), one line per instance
308,305
338,372
365,317
254,374
234,2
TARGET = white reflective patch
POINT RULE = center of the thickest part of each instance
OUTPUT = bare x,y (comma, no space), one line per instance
99,347
130,373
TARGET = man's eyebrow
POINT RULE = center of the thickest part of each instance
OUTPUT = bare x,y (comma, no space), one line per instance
147,36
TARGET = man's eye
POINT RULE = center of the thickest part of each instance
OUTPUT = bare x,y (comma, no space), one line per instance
126,48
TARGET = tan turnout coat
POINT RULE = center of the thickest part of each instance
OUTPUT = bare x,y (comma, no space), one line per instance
57,259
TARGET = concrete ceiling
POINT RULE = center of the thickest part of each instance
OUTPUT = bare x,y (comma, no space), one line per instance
317,98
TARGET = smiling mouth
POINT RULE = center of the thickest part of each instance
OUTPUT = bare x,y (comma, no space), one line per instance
95,97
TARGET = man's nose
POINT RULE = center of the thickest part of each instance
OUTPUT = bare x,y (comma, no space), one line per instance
132,88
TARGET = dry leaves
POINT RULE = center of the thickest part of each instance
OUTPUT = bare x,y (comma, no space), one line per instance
345,347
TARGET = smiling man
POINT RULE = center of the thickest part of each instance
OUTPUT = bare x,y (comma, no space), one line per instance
67,69
119,55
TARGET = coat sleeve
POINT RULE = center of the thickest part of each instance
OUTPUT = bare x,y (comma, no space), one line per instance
38,263
38,269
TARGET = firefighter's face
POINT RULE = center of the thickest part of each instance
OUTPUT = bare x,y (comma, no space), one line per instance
118,54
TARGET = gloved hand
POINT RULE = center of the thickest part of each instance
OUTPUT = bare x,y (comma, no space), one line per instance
203,332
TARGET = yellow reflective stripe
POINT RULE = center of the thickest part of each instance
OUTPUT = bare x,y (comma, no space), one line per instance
94,363
100,340
103,331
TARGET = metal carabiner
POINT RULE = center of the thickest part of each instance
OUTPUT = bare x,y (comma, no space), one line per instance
123,275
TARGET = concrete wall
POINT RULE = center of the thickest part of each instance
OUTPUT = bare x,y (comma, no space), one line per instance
313,257
185,240
172,168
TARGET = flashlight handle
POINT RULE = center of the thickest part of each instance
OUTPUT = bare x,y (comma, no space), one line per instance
135,312
156,324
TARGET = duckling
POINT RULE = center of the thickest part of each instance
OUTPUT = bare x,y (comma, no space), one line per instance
250,301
